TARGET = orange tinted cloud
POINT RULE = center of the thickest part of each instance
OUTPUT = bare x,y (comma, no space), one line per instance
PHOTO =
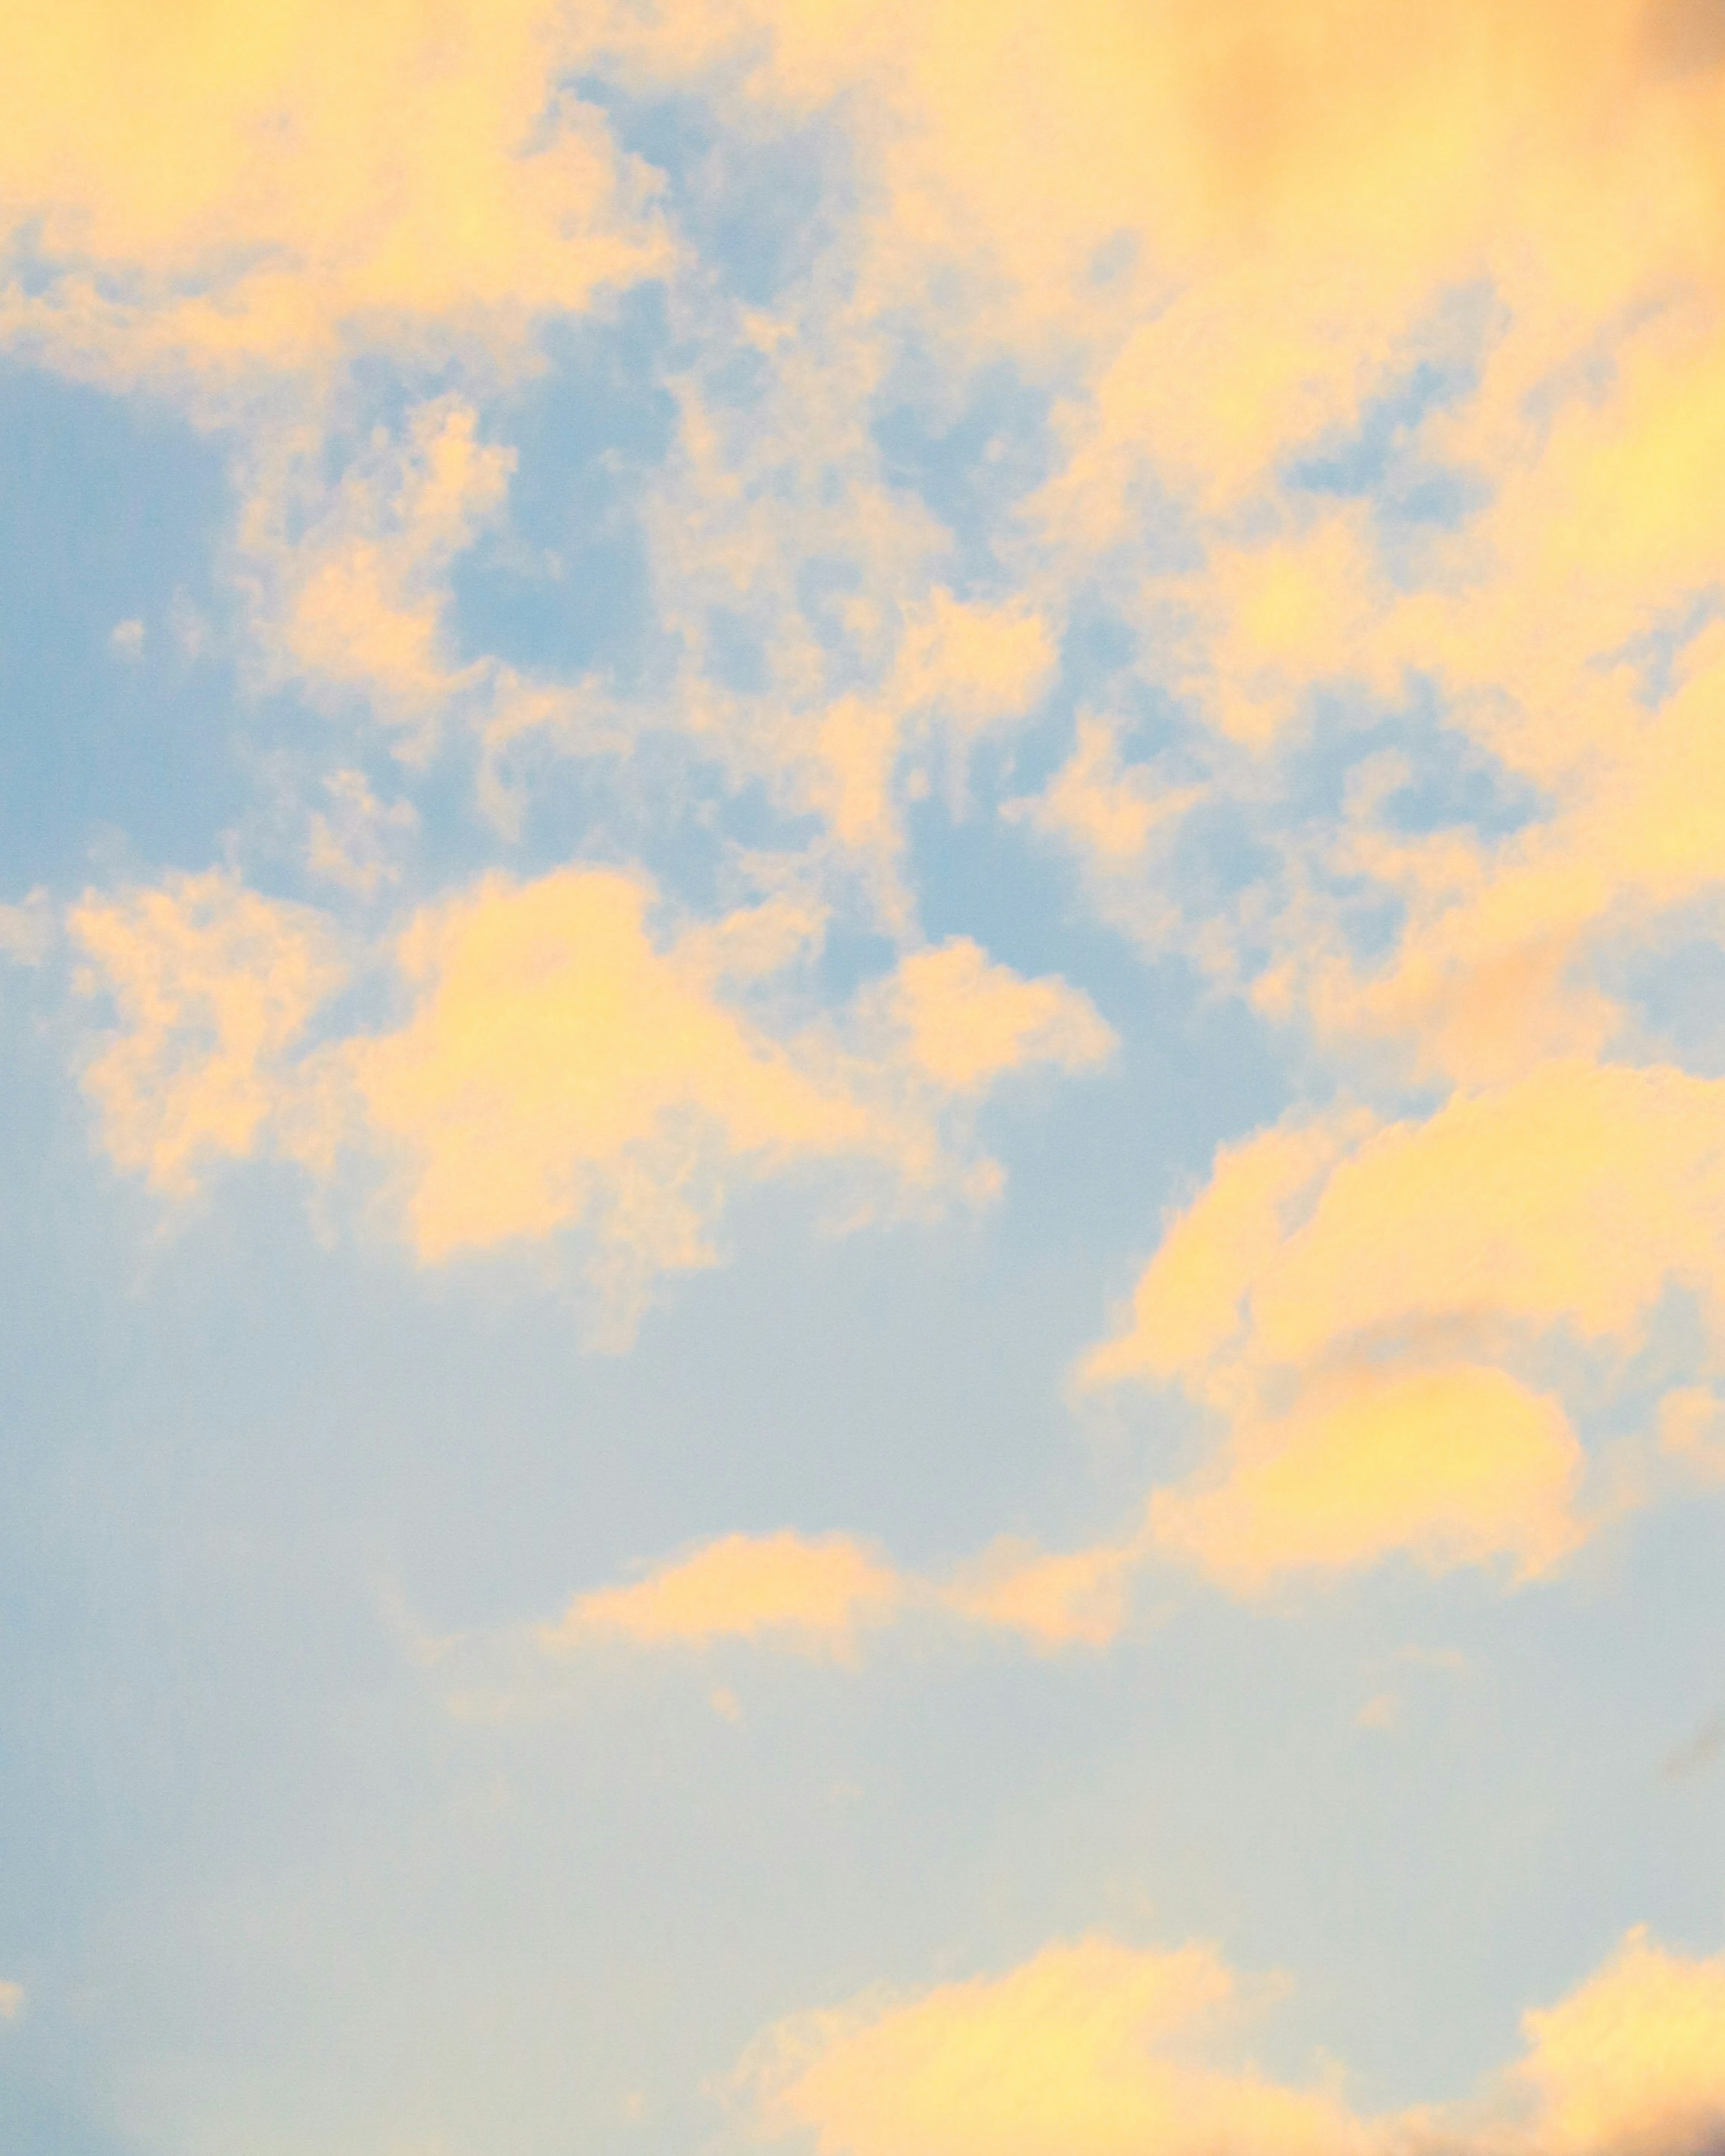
968,1020
1091,2047
558,1064
1634,2062
1454,1466
813,1594
329,170
1338,1291
1094,2047
214,986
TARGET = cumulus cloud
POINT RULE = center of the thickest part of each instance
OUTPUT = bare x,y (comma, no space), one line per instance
1094,2047
213,985
1343,1291
557,1064
1088,2046
429,175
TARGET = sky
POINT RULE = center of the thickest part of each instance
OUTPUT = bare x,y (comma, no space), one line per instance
862,987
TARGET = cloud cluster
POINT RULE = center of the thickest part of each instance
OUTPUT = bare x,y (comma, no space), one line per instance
556,1063
818,1595
1098,2049
334,178
1354,1298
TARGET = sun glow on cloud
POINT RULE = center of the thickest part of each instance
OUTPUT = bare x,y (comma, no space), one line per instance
1087,644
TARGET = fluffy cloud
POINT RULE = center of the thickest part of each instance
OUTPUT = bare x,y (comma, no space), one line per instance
1334,1289
332,175
556,1065
214,986
811,1594
816,1596
1088,2047
1094,2047
1633,2063
1457,1466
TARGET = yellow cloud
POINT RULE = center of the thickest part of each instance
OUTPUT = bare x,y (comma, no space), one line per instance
1053,1598
1094,2047
970,1020
556,1064
960,670
1569,1200
1455,1466
1339,1289
812,1595
214,985
354,599
555,1059
330,171
1089,2048
1187,1306
1634,2062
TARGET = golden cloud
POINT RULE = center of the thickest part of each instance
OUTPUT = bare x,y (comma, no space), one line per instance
1093,2047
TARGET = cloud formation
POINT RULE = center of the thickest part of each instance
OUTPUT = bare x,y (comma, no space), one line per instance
817,1595
556,1063
430,176
1354,1299
1094,2047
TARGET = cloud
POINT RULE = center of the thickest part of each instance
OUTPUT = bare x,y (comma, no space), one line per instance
556,1064
970,1020
818,1595
1051,1598
812,1595
351,582
1091,2049
214,986
13,2001
1457,1467
1631,2063
1094,2047
332,176
1341,1291
350,845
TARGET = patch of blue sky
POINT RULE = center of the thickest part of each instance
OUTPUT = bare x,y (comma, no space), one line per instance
660,805
759,204
1656,654
1445,781
562,586
117,693
1382,460
1672,989
1094,1157
969,453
